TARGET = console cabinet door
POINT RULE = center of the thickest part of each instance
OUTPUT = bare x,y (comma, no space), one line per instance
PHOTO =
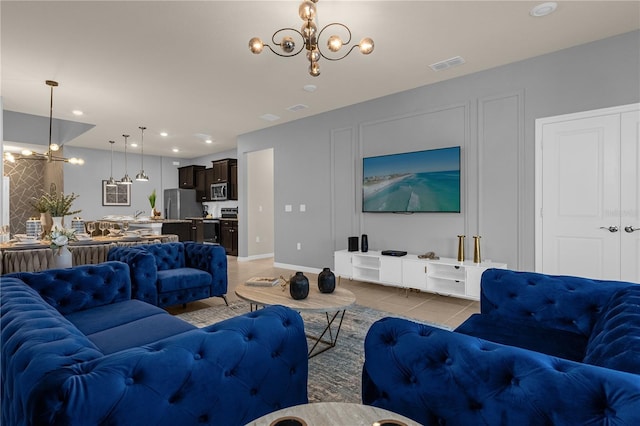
414,274
391,270
342,264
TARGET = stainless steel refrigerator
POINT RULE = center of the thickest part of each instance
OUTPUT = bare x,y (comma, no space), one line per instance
181,203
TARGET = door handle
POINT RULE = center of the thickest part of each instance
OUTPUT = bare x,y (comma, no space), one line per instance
630,229
612,228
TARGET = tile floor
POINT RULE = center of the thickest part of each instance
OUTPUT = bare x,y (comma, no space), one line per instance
449,311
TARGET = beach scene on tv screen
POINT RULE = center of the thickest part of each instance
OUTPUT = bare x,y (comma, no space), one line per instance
423,181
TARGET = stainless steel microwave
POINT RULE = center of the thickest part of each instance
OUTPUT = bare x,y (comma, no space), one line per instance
219,191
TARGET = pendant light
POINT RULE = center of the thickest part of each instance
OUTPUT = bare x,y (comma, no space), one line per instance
141,176
111,181
126,179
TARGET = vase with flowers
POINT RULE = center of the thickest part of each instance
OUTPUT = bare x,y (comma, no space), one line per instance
59,239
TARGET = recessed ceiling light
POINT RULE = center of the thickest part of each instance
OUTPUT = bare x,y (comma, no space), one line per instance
164,134
310,88
543,9
270,117
77,112
175,150
208,141
134,145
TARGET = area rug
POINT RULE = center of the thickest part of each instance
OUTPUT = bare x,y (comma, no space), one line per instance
334,375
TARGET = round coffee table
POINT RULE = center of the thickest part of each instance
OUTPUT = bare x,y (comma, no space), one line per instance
334,413
333,305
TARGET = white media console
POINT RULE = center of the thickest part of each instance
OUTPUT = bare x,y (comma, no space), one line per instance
442,276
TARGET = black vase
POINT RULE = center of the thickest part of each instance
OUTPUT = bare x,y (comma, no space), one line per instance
299,286
364,243
326,281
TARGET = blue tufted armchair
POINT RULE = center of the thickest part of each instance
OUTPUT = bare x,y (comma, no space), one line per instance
169,274
545,350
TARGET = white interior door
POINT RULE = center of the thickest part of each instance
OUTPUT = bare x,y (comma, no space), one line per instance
588,194
630,196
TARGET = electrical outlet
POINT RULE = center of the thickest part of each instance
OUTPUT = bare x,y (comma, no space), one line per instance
299,246
303,207
257,239
287,208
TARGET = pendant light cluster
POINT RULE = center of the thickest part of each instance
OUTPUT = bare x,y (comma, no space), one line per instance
126,180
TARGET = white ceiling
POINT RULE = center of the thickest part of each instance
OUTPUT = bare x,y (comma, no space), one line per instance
184,67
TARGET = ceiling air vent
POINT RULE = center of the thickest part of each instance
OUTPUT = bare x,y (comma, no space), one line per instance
270,117
295,108
447,63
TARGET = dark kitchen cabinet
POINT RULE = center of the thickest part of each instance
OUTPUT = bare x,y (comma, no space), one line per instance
229,236
181,229
188,176
197,230
233,181
222,169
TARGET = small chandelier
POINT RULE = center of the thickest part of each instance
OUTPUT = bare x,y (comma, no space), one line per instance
125,179
141,176
48,156
310,40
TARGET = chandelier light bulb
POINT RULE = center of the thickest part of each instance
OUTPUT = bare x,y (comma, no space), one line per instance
313,55
314,69
54,147
366,46
307,11
256,45
309,30
26,152
334,43
288,45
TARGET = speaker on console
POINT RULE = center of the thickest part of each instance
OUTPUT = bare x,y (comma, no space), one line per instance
364,247
353,243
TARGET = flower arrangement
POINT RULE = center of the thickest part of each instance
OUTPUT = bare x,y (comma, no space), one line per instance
56,204
60,237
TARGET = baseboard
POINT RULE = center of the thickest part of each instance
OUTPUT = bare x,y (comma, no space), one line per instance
297,268
254,257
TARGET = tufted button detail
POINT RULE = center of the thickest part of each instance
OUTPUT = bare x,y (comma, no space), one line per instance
197,357
448,361
515,381
203,419
128,381
253,391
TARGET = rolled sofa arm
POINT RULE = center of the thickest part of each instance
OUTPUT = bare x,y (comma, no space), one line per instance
210,258
143,271
440,377
227,374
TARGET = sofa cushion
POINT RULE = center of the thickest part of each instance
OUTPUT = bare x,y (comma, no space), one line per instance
178,279
139,332
109,316
615,341
555,342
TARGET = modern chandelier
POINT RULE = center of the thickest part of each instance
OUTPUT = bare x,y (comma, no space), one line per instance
48,156
310,40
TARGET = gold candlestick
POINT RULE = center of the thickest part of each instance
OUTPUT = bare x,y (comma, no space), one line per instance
476,249
461,248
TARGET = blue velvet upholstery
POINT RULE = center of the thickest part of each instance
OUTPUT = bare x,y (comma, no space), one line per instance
464,377
175,273
52,373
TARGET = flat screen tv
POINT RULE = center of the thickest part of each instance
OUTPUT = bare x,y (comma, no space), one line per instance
412,182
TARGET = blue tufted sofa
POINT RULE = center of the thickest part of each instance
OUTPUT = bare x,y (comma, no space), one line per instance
545,350
77,350
169,274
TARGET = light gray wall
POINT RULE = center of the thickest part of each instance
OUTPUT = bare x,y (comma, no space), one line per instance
490,114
